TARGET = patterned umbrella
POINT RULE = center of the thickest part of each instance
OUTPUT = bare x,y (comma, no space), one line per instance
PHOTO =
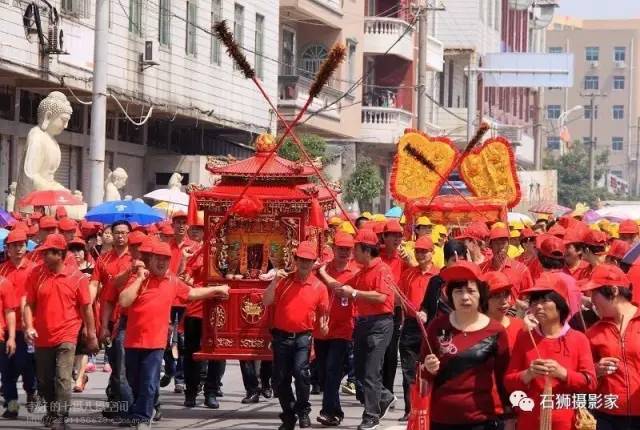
50,198
549,208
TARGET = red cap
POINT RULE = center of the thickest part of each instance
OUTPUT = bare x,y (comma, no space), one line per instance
147,244
552,247
462,271
136,238
497,281
67,224
557,230
78,241
548,281
307,250
53,241
606,275
628,227
471,232
618,249
576,234
378,227
527,233
36,216
499,233
47,222
14,236
179,214
366,237
161,248
89,228
595,238
20,225
425,243
33,230
61,212
343,240
167,230
152,229
393,226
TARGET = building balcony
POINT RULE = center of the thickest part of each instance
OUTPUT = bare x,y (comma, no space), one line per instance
324,11
293,91
384,124
381,33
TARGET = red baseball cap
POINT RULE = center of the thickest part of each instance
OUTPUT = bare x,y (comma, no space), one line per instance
67,224
161,248
14,236
78,241
497,282
425,243
595,238
552,247
343,240
47,222
576,234
499,233
20,225
167,230
527,233
307,250
179,214
33,230
152,229
557,230
366,237
471,232
606,275
136,238
393,226
548,282
378,227
628,227
61,212
89,228
53,241
462,271
618,249
147,244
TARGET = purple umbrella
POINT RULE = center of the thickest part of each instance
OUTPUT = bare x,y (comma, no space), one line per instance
5,218
591,216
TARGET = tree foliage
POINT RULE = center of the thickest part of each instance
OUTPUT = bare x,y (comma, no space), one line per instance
315,146
364,184
573,176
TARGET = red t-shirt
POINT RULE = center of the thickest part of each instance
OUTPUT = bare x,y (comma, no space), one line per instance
57,298
108,266
341,310
8,301
176,253
517,272
195,269
299,304
376,277
581,271
396,264
571,351
413,284
533,264
148,322
36,258
18,276
474,393
515,327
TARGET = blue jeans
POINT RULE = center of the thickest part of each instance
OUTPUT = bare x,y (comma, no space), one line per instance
336,351
143,374
21,363
119,386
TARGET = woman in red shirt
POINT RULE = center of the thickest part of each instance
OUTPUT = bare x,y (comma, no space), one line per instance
500,301
560,354
470,356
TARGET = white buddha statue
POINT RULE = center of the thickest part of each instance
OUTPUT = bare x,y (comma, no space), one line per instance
11,197
116,180
175,181
41,156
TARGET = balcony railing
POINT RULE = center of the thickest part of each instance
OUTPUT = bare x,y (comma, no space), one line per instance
384,124
380,34
293,91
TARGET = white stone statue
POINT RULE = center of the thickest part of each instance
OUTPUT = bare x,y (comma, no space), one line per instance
41,156
116,180
11,197
175,181
77,211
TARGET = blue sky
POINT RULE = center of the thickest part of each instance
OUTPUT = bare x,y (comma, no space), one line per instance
598,9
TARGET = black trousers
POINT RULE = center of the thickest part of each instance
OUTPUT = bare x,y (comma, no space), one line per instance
390,364
250,375
319,365
614,422
291,360
410,341
371,339
192,368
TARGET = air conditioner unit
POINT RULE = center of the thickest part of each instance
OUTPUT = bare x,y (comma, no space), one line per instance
593,64
620,64
150,55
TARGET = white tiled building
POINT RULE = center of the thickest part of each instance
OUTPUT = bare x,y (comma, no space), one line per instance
202,105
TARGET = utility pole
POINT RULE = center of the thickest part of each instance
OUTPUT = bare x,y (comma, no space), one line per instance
423,40
637,176
592,146
472,96
99,106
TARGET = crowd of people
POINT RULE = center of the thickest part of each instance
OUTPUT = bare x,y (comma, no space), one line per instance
510,325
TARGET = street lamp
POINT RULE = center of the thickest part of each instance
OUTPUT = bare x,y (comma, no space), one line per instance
562,120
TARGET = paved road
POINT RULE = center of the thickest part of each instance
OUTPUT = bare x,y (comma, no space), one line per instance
232,414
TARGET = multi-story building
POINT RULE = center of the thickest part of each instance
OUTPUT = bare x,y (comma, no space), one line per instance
162,54
606,69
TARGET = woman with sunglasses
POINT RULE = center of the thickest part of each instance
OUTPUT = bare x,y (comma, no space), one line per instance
469,357
560,354
529,257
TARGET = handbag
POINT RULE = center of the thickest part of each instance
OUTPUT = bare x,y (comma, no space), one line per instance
420,395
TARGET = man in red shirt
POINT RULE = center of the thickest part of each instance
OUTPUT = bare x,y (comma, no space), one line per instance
148,299
16,269
515,271
413,285
49,225
373,292
58,303
300,301
67,227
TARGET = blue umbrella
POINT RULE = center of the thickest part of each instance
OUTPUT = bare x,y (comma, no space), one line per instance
129,210
394,212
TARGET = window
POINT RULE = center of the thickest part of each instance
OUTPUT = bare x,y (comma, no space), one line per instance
259,48
553,142
555,50
351,61
312,58
77,8
619,53
238,26
586,141
618,82
587,111
618,112
216,17
617,143
592,53
591,83
135,16
553,111
192,22
164,23
617,173
287,53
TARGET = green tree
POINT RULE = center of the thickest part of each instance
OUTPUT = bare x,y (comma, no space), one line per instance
363,185
315,146
573,176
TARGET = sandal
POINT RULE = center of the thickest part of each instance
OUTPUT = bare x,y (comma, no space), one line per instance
80,388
